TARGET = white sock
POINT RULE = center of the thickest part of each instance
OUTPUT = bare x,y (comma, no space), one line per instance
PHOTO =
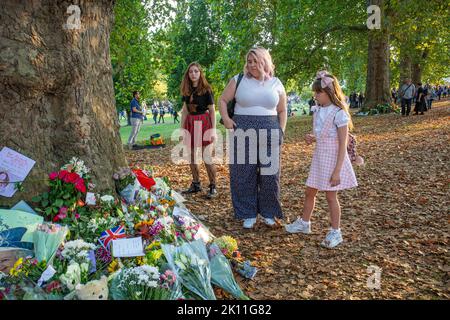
336,230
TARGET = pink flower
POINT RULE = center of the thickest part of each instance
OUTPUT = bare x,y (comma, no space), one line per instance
59,216
77,216
53,175
63,210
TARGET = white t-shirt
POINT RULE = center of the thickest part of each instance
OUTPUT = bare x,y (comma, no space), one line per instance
258,98
341,119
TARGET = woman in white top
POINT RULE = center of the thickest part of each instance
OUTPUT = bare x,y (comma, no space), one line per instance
257,128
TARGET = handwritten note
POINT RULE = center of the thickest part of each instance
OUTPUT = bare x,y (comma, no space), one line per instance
13,167
131,247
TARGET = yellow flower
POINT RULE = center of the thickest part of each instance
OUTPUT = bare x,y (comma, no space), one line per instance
228,243
113,266
154,244
140,261
15,270
144,223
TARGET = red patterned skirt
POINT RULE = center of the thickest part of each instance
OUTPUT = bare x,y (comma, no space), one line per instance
197,127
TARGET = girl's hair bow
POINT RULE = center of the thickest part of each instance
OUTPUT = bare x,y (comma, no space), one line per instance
324,80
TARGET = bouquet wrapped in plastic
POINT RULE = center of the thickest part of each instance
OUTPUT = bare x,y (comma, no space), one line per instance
221,274
188,222
191,265
47,238
127,184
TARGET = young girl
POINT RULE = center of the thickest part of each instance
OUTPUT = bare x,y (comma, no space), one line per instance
331,169
198,118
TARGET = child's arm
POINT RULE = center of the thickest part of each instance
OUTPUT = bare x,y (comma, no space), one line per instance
310,138
342,138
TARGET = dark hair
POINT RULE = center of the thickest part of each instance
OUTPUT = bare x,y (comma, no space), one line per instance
135,93
419,83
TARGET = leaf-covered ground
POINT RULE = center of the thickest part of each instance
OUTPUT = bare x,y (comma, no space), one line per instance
397,219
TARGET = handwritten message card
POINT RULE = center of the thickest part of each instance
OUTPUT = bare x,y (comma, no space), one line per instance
13,167
131,247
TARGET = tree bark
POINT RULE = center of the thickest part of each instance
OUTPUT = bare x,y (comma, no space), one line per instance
56,89
405,65
417,66
378,80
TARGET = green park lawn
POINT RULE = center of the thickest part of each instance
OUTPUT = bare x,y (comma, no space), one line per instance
165,129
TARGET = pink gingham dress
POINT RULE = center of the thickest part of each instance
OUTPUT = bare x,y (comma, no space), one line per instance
325,158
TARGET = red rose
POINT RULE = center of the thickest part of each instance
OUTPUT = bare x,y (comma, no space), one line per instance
62,174
53,175
71,177
80,186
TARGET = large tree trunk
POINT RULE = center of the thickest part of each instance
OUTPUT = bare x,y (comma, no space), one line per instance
56,89
417,66
405,65
378,81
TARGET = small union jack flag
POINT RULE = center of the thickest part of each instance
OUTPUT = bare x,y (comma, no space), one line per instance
112,234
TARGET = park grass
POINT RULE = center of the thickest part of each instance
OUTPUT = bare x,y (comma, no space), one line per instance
166,129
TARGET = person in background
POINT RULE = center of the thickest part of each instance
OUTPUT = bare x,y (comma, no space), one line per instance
161,113
155,113
406,93
420,101
311,103
360,99
136,117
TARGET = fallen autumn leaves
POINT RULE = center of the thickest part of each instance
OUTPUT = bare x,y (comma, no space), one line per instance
396,220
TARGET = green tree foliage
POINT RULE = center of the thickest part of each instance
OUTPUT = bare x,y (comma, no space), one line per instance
154,41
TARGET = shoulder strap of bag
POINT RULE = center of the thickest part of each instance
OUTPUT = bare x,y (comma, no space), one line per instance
404,91
241,75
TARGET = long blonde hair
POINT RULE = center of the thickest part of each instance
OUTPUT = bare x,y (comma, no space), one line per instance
335,94
265,64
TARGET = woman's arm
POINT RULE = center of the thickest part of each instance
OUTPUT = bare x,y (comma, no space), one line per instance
212,116
184,113
282,112
227,96
342,149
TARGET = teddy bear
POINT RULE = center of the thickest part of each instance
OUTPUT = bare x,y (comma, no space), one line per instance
93,290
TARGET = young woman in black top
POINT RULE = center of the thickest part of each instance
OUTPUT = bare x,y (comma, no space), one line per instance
199,121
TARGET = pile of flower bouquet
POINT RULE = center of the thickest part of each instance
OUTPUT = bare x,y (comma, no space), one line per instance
74,255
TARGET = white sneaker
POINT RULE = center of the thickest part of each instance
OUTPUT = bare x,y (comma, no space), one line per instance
299,226
269,221
249,223
333,238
